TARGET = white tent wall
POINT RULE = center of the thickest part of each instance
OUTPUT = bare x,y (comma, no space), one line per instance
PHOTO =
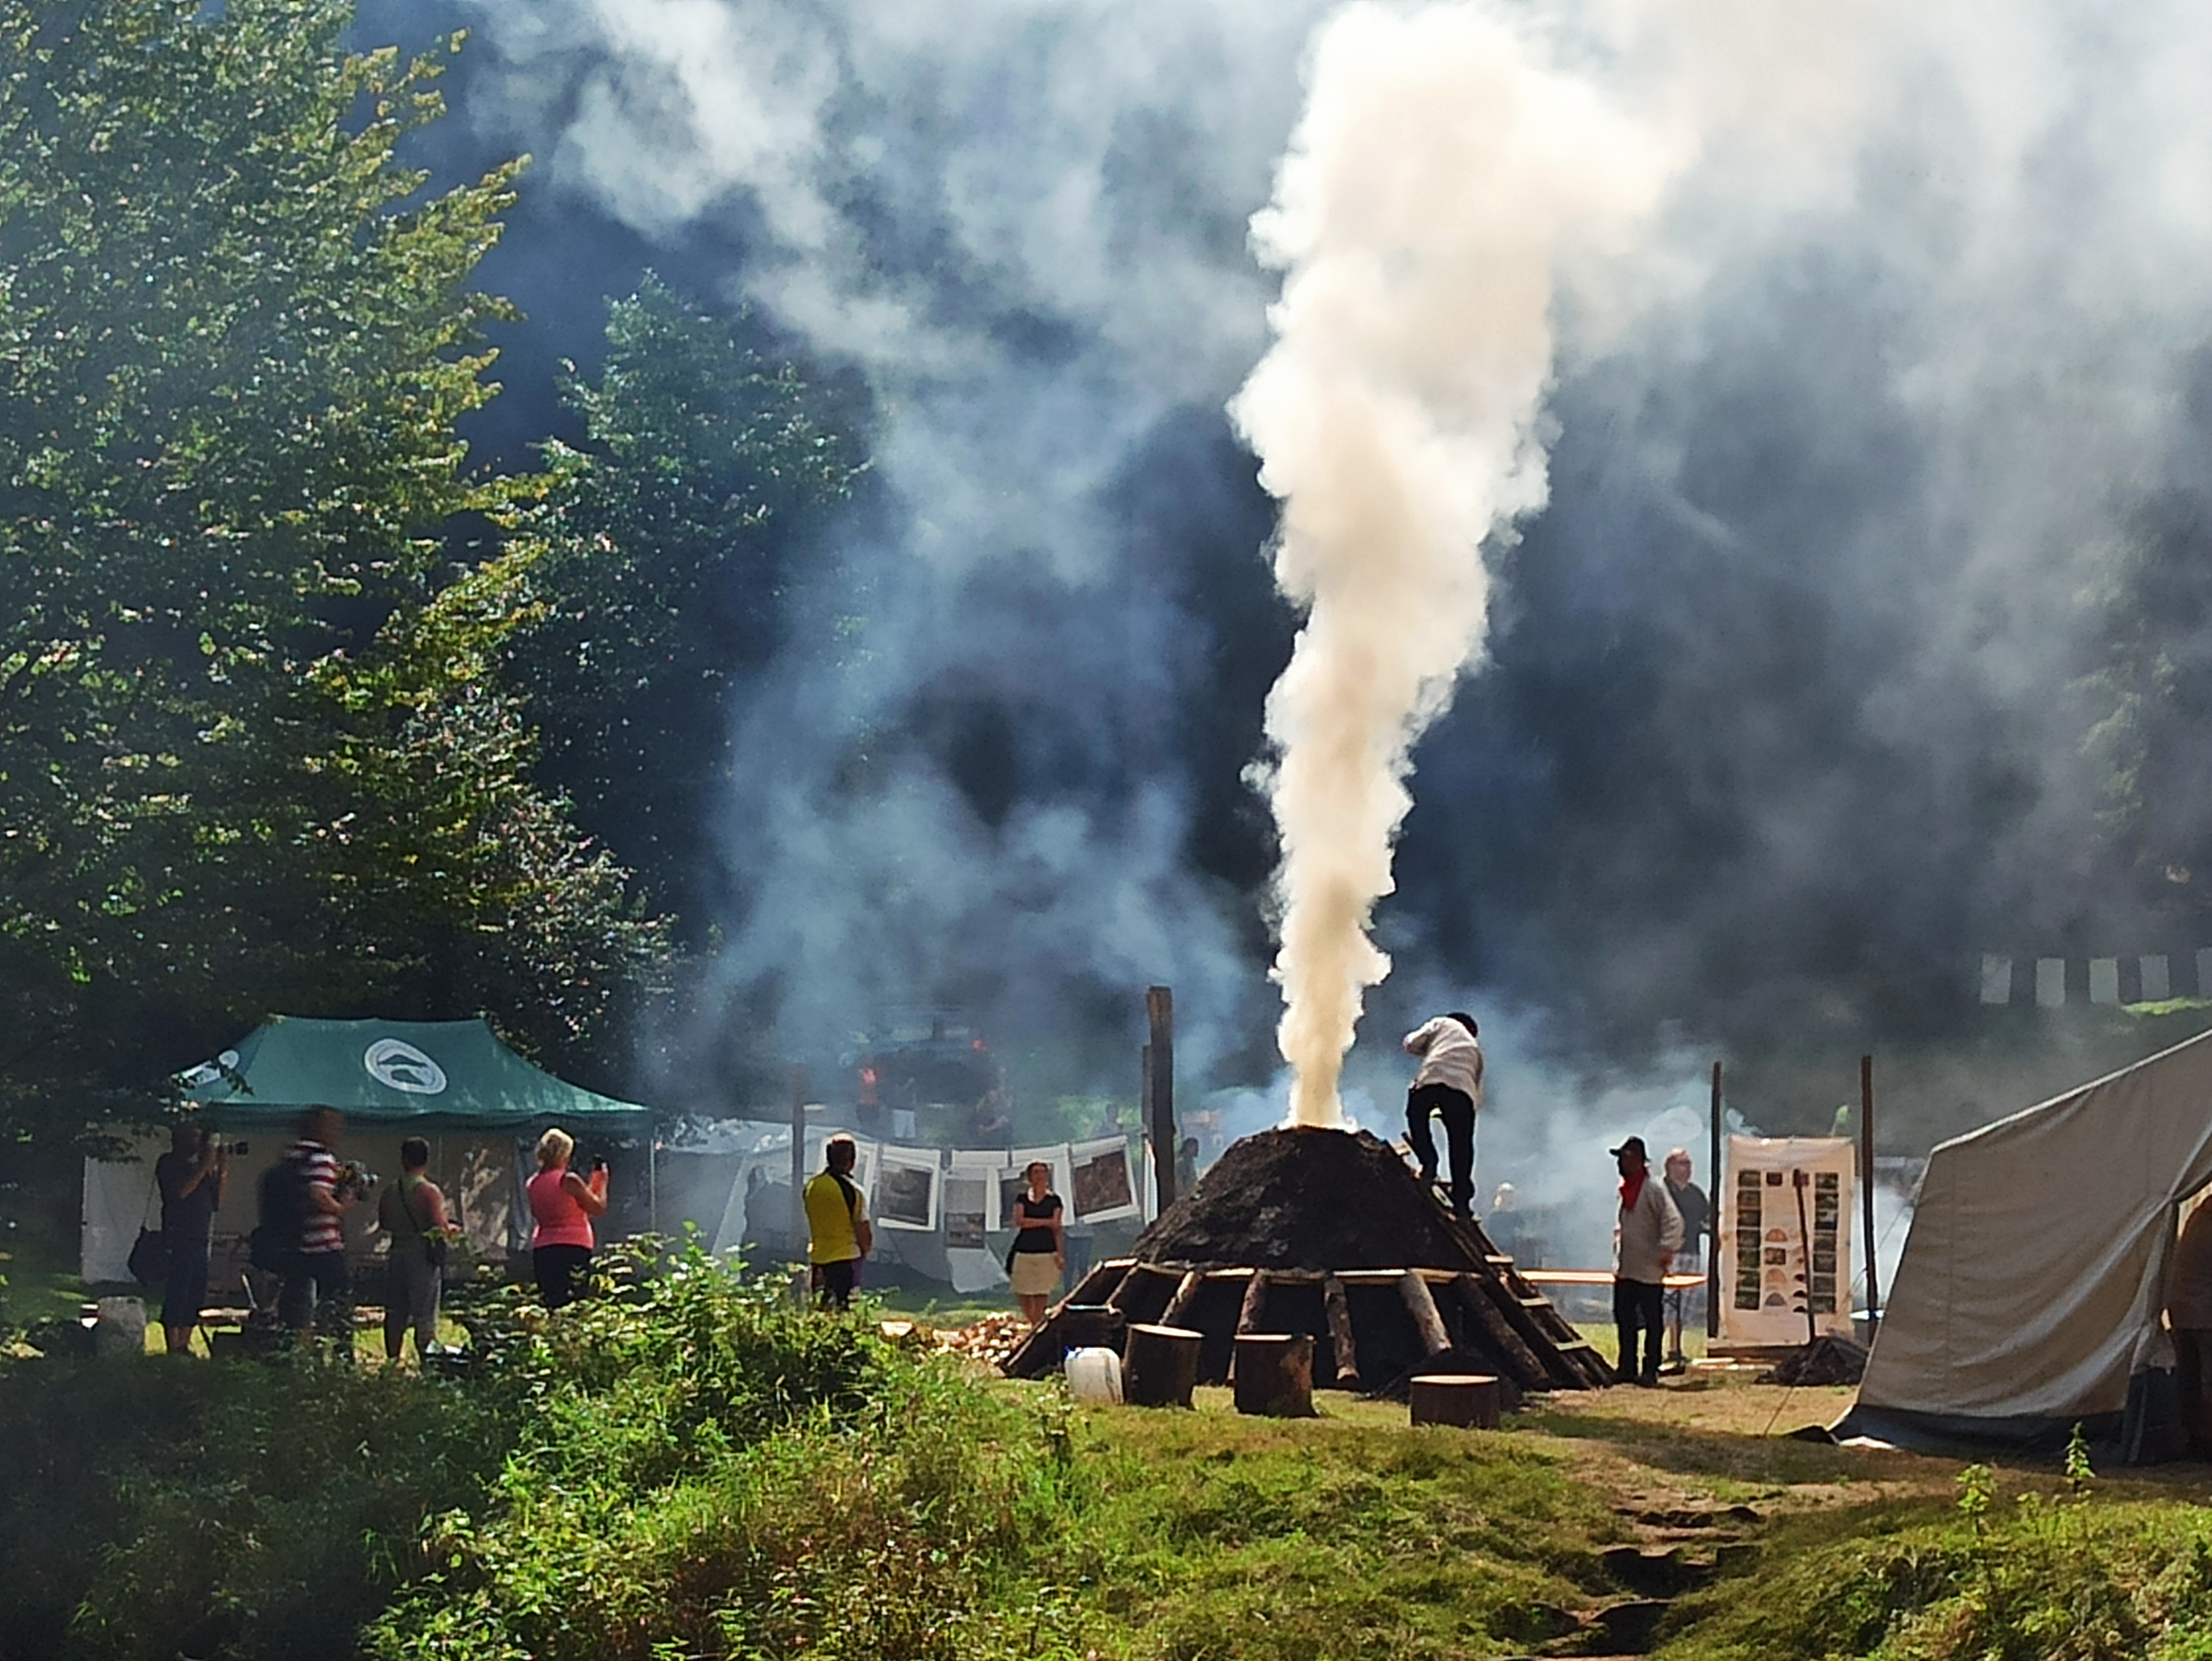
2033,1281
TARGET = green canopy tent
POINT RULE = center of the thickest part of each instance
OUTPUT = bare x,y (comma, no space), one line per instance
450,1074
452,1082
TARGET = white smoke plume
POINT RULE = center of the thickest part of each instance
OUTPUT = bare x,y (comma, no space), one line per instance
1441,175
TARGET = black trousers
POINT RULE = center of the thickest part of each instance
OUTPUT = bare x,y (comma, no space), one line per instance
557,1268
1639,1306
1457,1112
833,1284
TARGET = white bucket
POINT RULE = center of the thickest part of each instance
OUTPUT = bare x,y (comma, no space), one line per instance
1094,1378
120,1329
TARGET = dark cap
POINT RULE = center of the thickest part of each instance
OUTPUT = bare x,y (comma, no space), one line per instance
1635,1145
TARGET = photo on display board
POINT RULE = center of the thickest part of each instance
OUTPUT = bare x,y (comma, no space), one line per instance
905,1195
1100,1177
967,1195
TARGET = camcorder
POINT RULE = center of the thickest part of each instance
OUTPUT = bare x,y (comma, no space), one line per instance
355,1178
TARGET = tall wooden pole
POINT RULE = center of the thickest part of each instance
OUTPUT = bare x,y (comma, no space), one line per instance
1714,1192
798,1161
1866,1184
1159,1012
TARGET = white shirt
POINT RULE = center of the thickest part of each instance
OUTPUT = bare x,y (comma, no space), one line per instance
1449,1056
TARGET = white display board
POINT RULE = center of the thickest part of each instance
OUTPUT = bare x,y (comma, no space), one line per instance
1100,1188
1778,1255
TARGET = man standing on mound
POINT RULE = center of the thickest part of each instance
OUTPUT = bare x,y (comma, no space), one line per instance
1645,1239
1449,1086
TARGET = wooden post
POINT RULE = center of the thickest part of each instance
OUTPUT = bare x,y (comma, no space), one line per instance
797,1164
1186,1294
1714,1189
1469,1400
1866,1185
1159,1011
1161,1368
1338,1308
1428,1320
1274,1374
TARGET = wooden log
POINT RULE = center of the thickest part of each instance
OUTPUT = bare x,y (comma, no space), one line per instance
1469,1400
1248,1317
1087,1326
1186,1294
1428,1320
1521,1361
1161,1367
1274,1374
1339,1309
1134,1282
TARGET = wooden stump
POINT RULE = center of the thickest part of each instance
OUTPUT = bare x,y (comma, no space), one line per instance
1161,1367
1466,1399
1274,1374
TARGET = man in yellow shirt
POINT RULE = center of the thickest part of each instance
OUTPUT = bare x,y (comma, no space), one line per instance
838,1234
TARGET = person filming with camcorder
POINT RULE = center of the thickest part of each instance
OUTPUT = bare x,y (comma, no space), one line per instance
304,1199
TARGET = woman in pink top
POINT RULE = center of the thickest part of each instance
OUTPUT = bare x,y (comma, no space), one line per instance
563,1205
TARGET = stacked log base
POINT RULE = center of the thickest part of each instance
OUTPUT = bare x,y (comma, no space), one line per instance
1372,1330
1161,1365
1468,1400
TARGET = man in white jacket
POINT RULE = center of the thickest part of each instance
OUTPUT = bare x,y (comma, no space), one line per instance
1449,1086
1645,1239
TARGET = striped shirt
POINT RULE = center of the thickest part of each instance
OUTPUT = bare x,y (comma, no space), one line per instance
319,1229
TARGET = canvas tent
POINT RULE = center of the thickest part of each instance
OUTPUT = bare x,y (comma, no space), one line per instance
2030,1295
454,1083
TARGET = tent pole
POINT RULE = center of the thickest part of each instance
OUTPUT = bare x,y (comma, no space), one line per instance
797,1162
1866,1185
1713,1220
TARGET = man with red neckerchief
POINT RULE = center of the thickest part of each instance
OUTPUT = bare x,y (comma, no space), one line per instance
1646,1237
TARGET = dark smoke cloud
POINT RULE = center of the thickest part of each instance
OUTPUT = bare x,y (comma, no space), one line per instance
1780,721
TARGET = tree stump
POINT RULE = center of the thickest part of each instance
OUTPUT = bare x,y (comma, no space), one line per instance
1088,1326
1274,1374
1161,1367
1467,1399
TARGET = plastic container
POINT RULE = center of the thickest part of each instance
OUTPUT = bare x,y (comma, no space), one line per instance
1094,1378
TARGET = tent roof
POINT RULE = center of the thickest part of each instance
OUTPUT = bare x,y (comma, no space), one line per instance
452,1073
2034,1276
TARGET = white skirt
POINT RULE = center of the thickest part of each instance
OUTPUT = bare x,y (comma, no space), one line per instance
1035,1275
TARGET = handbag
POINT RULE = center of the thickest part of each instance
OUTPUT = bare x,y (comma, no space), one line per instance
148,1261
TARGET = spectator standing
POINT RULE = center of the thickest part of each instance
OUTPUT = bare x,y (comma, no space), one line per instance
315,1284
1186,1166
1039,1257
838,1232
561,1207
413,1213
1645,1239
189,1177
1448,1086
1696,1213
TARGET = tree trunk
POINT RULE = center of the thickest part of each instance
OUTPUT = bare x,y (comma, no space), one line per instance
1467,1399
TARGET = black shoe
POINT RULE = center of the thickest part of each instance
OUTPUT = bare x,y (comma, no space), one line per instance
1647,1381
1428,1177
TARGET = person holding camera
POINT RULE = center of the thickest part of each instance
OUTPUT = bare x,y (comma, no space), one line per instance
310,1202
412,1214
563,1205
189,1177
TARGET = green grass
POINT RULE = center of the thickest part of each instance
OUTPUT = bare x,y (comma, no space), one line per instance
2038,1578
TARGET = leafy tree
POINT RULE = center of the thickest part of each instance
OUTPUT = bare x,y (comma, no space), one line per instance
668,542
253,750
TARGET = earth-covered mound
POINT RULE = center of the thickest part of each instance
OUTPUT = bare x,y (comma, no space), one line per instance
1311,1199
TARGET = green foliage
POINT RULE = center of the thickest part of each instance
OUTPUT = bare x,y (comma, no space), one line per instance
668,543
163,1508
2036,1581
252,754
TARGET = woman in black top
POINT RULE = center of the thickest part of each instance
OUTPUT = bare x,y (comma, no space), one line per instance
1039,1254
189,1175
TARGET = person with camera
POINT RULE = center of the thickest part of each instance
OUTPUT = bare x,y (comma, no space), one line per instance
189,1177
563,1205
306,1200
412,1214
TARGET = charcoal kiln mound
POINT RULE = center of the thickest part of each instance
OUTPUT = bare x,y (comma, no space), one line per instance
1328,1233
